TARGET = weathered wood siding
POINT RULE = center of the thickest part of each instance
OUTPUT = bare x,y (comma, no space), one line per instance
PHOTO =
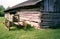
50,20
51,14
31,17
9,16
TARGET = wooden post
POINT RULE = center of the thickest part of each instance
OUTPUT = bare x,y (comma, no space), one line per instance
24,24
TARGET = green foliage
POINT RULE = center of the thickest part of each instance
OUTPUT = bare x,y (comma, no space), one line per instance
2,10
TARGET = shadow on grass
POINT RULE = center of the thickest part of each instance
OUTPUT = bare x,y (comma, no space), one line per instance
15,27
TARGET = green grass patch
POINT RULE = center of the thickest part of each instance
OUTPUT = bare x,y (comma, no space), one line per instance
30,33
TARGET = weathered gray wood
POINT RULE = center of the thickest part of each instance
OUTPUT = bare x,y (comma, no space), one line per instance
32,17
50,19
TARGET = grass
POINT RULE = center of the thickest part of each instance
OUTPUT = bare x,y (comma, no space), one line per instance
30,33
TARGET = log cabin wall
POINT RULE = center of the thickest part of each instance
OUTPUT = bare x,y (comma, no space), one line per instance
51,14
6,17
30,12
9,16
31,16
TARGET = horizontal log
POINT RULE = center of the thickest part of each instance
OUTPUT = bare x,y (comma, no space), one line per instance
46,19
51,14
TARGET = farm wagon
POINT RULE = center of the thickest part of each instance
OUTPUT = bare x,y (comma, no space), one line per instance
38,13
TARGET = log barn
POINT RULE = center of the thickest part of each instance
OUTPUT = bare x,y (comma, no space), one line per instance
37,13
26,12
